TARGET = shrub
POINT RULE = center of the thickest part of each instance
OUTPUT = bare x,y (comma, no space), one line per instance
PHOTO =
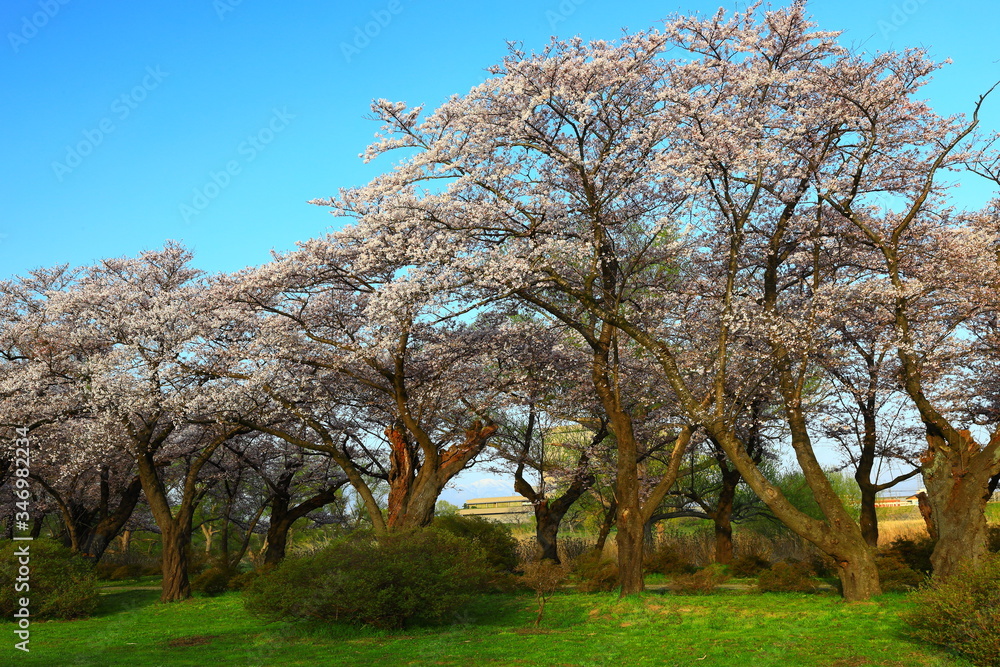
993,539
153,568
104,571
213,581
241,580
916,553
895,575
63,584
962,613
667,559
493,538
702,582
544,577
418,575
594,572
749,565
198,562
821,564
130,571
787,576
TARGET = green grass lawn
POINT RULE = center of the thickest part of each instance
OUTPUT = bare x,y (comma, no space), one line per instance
746,629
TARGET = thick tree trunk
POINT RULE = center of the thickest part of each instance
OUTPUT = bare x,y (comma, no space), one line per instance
414,485
858,574
277,530
868,519
175,525
956,494
277,541
629,538
549,513
723,534
176,541
630,519
839,536
546,531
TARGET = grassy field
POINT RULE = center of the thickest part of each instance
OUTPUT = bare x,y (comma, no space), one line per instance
132,628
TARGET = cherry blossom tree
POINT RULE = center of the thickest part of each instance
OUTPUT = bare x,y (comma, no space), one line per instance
342,358
942,352
622,192
120,331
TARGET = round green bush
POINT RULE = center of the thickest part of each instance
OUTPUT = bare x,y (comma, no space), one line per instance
60,583
787,577
241,580
962,613
915,553
213,581
494,538
418,575
749,565
895,576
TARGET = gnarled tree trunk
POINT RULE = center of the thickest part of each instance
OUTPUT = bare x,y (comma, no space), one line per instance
176,541
414,485
957,482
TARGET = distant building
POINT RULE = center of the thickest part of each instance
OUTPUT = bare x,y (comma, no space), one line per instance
505,509
897,502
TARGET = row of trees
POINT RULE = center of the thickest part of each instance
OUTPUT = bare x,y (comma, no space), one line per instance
747,243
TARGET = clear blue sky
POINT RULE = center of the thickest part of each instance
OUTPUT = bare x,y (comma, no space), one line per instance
117,114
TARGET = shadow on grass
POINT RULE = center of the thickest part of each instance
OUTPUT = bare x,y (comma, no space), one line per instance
116,603
486,612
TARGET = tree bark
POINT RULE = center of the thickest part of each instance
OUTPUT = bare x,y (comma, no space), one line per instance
414,486
722,517
609,521
176,541
858,574
927,514
36,526
868,519
95,541
175,524
956,494
282,518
